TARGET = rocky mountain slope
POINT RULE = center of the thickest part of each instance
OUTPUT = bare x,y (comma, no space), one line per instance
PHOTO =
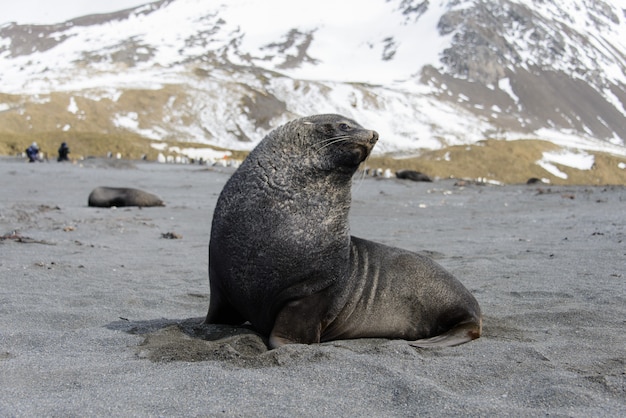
426,74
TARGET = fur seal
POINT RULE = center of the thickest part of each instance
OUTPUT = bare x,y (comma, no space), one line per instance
281,255
534,180
412,175
106,197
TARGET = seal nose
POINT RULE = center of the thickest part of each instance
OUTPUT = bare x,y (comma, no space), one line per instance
374,137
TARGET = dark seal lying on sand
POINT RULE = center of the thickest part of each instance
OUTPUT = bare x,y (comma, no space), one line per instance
412,175
106,197
281,255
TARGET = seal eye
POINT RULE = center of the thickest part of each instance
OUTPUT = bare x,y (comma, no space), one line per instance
345,127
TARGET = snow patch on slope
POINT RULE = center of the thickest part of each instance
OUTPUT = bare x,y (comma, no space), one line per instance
568,158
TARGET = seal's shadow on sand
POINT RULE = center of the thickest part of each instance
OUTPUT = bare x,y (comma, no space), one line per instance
169,340
190,340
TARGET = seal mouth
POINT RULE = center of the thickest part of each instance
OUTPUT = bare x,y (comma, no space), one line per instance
360,149
346,145
355,154
370,142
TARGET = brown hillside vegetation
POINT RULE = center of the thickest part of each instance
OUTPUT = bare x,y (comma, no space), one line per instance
508,162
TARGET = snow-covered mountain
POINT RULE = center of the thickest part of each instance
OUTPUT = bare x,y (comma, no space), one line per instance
425,74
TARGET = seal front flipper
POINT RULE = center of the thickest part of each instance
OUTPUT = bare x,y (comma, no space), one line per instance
221,311
462,333
298,322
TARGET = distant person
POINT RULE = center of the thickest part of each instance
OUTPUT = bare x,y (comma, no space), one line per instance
33,153
63,151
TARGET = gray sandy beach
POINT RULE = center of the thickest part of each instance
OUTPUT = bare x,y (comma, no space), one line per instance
100,314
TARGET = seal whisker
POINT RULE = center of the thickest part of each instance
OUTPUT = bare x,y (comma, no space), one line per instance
362,173
321,141
327,140
336,140
360,179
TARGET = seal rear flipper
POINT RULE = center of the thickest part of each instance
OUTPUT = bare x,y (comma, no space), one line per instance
462,333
